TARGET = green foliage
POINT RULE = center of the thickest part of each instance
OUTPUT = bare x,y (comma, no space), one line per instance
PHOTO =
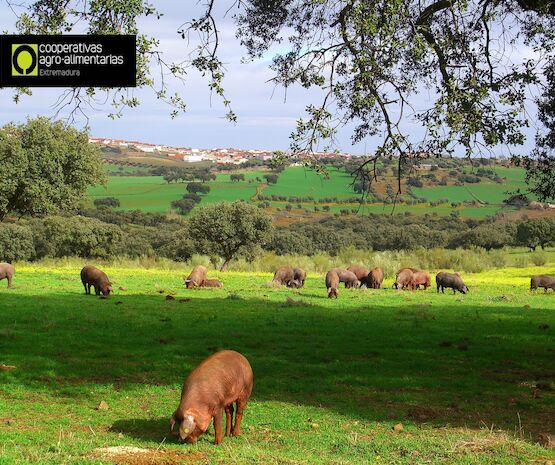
285,242
58,236
197,188
45,167
539,258
184,206
271,178
229,229
536,232
237,177
415,182
489,236
16,243
107,202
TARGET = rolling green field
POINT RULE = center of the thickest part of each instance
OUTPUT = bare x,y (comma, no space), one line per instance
487,192
302,182
146,193
469,377
153,194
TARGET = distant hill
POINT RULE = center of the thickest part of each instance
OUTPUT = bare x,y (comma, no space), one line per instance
473,189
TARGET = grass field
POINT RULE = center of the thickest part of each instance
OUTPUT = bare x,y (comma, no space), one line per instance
303,182
153,194
490,192
470,377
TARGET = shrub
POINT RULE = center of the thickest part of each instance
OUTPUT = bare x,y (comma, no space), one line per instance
183,206
539,258
284,241
58,236
197,187
193,196
522,262
106,202
16,242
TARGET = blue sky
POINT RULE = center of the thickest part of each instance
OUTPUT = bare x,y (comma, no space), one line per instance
265,117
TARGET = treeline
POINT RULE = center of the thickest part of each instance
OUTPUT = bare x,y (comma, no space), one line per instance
104,233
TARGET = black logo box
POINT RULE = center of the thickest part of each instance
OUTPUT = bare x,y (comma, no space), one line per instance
94,71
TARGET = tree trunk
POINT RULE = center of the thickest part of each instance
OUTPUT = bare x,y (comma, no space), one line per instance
226,262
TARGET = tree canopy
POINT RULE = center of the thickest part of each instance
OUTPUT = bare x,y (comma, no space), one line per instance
230,229
45,167
478,63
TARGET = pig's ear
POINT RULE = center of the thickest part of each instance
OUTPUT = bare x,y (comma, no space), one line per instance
173,421
203,422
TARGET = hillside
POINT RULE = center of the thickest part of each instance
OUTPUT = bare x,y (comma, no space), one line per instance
449,186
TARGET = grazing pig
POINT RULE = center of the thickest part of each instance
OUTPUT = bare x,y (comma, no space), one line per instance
7,271
404,279
450,280
212,387
547,282
196,278
299,275
347,277
421,278
283,276
375,278
332,284
92,276
361,273
212,283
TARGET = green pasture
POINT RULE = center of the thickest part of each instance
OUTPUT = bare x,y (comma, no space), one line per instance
468,379
302,182
490,192
153,194
146,193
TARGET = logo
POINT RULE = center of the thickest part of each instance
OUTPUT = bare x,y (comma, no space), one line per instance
25,60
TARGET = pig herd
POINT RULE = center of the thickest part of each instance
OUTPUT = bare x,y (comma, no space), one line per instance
354,276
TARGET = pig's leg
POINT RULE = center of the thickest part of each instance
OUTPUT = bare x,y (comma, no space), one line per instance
10,281
241,404
228,419
218,427
97,290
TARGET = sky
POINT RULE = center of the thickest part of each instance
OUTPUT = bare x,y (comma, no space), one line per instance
266,115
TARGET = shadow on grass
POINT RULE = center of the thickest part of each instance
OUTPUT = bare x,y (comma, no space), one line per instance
154,430
454,364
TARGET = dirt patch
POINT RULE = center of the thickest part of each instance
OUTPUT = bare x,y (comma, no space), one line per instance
481,445
423,413
126,455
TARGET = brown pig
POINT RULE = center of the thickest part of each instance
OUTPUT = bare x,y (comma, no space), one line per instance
92,276
404,279
196,277
212,387
299,275
284,276
332,284
7,271
347,277
375,278
361,273
421,278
